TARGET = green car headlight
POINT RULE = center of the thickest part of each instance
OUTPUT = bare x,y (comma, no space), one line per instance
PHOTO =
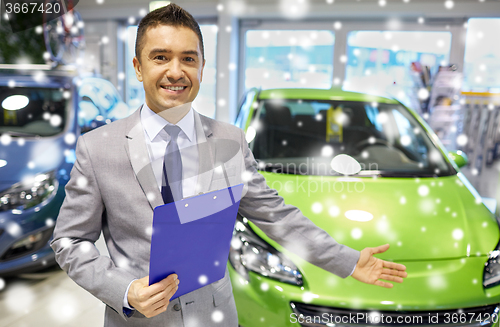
29,193
491,275
250,252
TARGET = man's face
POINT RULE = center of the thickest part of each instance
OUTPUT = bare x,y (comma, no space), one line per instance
171,66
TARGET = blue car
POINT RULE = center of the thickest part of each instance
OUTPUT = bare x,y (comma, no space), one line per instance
43,113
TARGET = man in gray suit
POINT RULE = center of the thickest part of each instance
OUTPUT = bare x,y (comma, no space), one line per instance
118,179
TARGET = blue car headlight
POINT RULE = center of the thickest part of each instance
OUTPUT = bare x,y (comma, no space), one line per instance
29,193
251,253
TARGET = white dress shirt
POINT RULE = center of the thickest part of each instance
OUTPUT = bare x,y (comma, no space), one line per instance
157,140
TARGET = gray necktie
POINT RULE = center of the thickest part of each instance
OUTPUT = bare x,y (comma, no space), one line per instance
172,163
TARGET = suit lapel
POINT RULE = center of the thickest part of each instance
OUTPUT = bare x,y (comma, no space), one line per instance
139,158
206,149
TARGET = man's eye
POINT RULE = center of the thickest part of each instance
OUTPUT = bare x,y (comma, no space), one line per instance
189,59
160,58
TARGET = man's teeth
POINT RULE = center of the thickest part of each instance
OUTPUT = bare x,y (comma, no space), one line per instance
174,88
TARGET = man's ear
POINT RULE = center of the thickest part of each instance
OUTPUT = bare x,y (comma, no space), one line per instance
137,67
202,67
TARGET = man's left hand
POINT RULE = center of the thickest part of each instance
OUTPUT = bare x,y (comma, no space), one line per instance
370,269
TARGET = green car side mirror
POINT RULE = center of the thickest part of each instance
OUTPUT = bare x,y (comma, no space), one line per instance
459,157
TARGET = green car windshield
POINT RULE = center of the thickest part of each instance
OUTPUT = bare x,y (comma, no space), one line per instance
303,136
32,111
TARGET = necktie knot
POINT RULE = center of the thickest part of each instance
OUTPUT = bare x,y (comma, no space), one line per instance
173,131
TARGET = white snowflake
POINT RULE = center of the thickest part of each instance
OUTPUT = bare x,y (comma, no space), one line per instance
327,151
85,247
217,316
246,176
150,196
236,243
458,234
334,211
203,279
123,263
405,140
382,118
427,206
55,120
221,102
2,284
19,298
40,77
63,306
49,222
5,139
82,181
264,287
317,207
423,94
65,242
14,229
423,190
462,139
70,138
308,297
356,233
402,200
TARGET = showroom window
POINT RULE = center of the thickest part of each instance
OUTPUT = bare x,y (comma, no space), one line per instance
482,55
205,101
385,62
289,58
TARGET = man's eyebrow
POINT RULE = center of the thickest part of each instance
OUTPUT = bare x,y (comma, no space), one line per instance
187,52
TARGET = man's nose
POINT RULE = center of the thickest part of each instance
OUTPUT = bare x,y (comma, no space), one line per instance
174,70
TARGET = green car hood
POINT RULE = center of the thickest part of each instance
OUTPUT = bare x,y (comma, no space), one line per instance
421,218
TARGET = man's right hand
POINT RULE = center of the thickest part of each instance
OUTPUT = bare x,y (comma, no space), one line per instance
152,300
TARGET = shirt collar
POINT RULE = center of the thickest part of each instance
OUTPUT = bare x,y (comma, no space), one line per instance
153,124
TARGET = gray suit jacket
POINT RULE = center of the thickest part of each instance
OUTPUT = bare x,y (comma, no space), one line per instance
113,189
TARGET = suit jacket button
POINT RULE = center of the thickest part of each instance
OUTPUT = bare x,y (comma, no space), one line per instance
177,307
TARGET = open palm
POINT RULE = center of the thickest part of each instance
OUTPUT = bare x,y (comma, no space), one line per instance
370,270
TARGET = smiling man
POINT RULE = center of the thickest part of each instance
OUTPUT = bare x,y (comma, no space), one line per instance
126,169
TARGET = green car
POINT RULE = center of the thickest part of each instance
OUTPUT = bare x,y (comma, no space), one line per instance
368,171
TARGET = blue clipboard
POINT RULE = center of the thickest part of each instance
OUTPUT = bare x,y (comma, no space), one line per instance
192,237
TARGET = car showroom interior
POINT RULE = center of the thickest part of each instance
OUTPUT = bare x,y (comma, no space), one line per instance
378,119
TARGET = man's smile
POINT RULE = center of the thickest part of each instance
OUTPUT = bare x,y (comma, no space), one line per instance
173,88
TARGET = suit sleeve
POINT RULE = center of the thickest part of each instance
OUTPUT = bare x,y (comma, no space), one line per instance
288,226
78,226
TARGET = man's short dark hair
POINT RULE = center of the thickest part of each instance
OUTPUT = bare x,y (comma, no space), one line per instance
171,15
